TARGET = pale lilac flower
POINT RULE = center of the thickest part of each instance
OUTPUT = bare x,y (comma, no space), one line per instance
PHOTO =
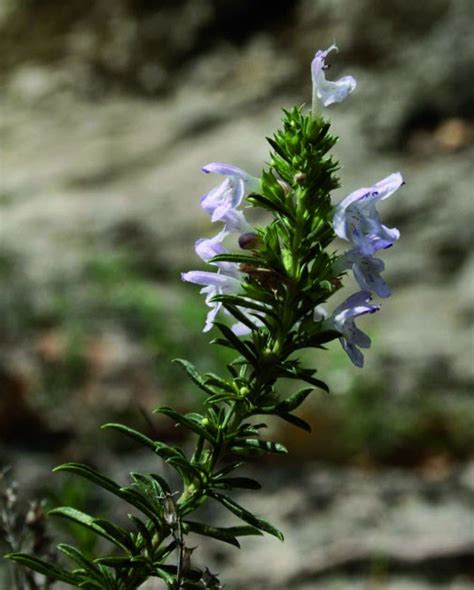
222,201
367,271
241,329
325,91
207,248
342,320
357,220
214,283
227,280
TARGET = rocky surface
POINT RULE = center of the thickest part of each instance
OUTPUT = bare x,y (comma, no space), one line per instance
387,529
344,528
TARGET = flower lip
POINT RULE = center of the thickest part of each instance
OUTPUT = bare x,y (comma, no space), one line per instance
380,191
225,170
342,320
206,279
367,271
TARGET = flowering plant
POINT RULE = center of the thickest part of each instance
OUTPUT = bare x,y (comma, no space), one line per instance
272,285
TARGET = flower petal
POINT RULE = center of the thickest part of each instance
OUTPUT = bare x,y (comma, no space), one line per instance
211,316
353,353
240,329
235,222
371,280
378,192
330,92
217,196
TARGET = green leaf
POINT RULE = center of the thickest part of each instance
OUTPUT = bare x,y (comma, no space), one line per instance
227,535
247,303
228,483
236,343
137,499
147,485
220,397
216,381
189,423
144,533
81,560
104,482
303,375
194,375
316,340
270,205
208,531
161,482
245,515
164,552
138,436
277,147
94,476
296,421
86,521
167,452
230,468
121,562
294,401
240,316
251,444
52,572
119,534
187,471
241,259
313,381
90,474
160,572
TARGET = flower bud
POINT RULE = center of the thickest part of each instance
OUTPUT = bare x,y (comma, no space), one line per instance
269,354
249,241
35,516
11,495
336,284
211,580
299,177
170,513
186,560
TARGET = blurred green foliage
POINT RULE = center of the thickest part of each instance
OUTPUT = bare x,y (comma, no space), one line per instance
369,425
163,319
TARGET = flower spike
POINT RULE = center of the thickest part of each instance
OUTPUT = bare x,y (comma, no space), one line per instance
274,288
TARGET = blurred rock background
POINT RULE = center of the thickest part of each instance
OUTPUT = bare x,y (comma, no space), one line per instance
109,108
